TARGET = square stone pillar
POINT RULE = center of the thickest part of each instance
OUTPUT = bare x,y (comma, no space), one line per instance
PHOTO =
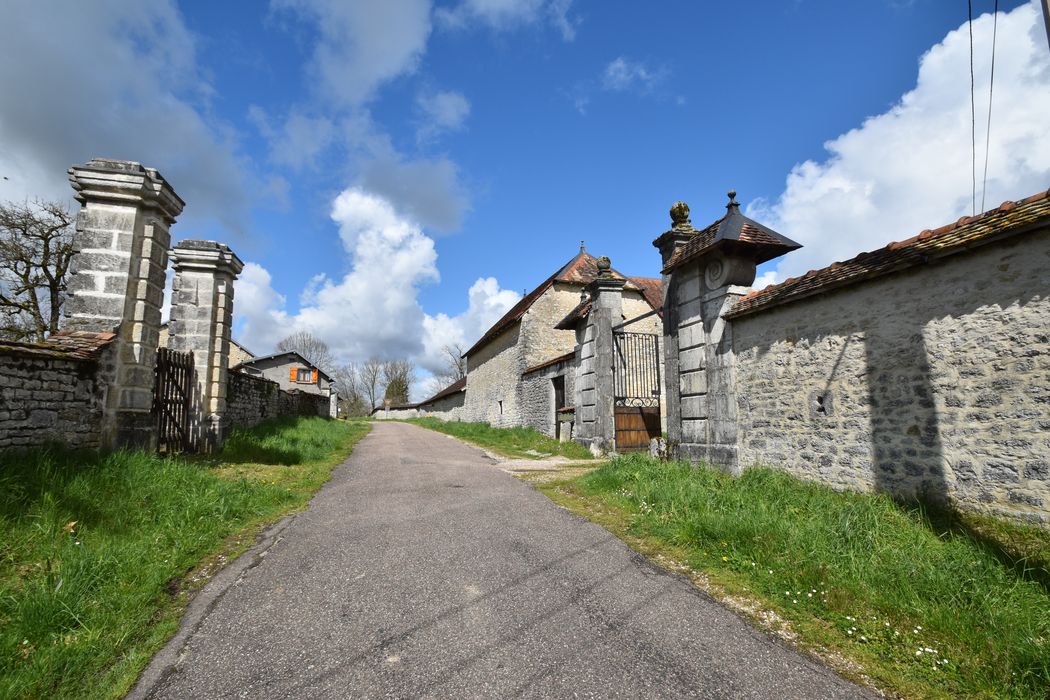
201,323
596,426
116,283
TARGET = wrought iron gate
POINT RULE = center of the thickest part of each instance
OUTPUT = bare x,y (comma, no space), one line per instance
172,400
636,390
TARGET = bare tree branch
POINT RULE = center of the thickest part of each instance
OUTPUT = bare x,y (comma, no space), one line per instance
312,348
36,247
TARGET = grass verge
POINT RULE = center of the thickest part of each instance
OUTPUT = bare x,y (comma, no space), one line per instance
926,605
520,443
99,552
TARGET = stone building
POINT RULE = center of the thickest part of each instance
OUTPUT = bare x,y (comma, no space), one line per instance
520,372
291,372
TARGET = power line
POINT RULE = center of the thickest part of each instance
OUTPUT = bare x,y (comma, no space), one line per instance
973,117
991,88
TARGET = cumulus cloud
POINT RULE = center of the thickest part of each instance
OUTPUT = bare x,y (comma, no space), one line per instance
623,74
503,15
440,112
373,310
298,141
134,92
428,189
361,45
909,169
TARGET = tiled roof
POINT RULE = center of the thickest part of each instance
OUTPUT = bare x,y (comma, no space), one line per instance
550,363
1009,219
652,290
581,270
263,358
453,388
735,229
66,344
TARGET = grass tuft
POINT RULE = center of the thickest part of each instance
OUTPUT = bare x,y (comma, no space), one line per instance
94,547
928,604
521,443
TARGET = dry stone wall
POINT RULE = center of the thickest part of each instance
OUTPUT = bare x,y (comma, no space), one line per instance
538,394
252,400
933,382
46,399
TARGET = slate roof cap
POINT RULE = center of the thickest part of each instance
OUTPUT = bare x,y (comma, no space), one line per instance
1008,219
64,344
735,231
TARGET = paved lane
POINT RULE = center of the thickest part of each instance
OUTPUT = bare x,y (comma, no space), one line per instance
420,570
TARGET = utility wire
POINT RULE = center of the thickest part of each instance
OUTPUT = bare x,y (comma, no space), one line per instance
973,117
991,88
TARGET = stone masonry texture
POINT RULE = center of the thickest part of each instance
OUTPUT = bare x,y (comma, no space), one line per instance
46,400
251,400
932,382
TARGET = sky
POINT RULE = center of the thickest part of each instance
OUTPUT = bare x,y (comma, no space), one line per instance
396,174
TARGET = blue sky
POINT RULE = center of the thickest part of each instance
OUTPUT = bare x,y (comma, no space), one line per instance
395,173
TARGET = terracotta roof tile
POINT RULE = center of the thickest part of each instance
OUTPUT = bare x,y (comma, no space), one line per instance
453,388
581,270
550,363
969,231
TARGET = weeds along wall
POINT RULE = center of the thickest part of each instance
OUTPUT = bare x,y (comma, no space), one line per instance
251,400
48,398
932,382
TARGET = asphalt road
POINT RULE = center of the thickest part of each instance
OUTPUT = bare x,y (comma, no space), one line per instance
421,570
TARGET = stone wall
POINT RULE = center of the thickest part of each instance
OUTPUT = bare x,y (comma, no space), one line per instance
251,400
541,341
493,381
931,382
538,409
395,413
447,407
46,399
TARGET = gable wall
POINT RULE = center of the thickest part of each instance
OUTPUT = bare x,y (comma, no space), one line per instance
493,376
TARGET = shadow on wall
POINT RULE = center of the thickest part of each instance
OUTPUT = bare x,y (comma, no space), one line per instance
939,395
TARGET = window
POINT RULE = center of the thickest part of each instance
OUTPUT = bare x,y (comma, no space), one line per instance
305,376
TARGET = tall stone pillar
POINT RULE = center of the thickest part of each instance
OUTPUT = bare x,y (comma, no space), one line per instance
201,318
596,425
117,283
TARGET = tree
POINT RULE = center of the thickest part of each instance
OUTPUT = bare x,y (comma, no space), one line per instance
455,365
351,401
370,381
313,349
398,375
36,247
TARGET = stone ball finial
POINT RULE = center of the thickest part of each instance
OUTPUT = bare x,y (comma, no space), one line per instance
732,198
604,265
679,213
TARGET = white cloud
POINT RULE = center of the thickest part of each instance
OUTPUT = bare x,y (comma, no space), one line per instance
427,189
373,310
622,74
362,45
298,141
504,15
909,169
118,80
441,111
765,279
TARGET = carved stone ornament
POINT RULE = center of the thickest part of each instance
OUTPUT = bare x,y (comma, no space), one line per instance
716,273
604,265
680,214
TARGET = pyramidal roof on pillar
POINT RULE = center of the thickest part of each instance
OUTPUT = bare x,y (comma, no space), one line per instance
733,232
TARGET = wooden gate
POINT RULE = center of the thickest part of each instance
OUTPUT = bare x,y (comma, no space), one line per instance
172,400
636,390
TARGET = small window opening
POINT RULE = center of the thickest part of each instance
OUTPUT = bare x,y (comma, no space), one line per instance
304,375
500,407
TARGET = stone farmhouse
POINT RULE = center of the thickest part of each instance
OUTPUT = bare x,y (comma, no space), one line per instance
291,372
519,373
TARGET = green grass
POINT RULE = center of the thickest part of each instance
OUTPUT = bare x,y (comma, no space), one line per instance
98,552
509,442
857,574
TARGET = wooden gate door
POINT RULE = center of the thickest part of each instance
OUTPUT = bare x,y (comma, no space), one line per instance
172,400
636,390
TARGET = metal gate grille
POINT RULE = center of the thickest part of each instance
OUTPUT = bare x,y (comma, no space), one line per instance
636,373
172,400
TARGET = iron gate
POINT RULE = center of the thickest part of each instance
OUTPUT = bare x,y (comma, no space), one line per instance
636,389
172,400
